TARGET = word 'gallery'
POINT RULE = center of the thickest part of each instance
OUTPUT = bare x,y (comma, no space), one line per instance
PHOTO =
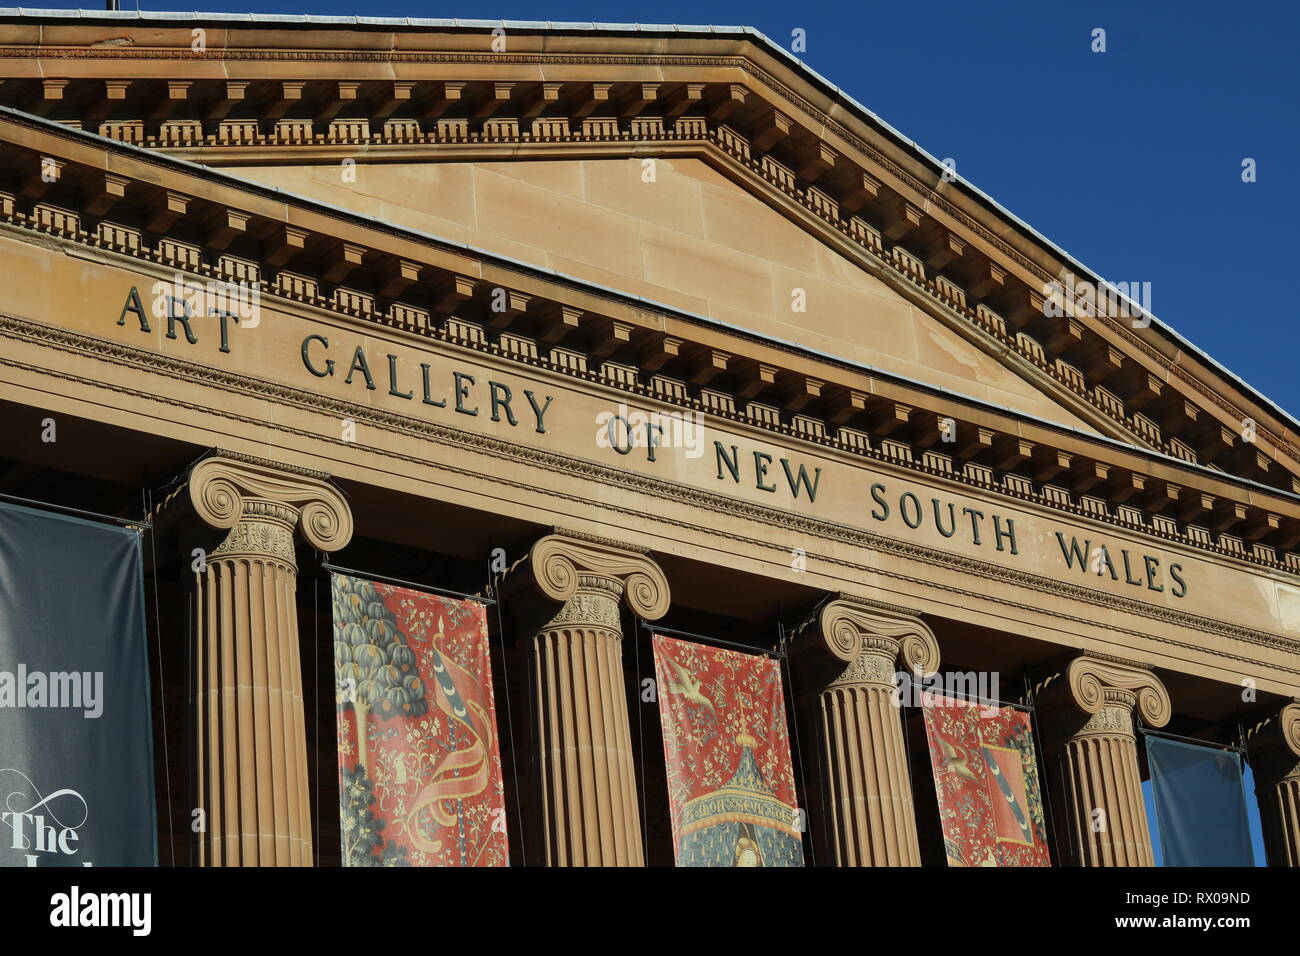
580,445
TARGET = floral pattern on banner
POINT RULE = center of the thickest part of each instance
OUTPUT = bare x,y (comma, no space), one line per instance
986,779
419,767
731,788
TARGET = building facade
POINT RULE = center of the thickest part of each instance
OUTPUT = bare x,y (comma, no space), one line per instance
623,331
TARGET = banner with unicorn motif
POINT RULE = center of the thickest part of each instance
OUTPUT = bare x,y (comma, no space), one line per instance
731,789
419,766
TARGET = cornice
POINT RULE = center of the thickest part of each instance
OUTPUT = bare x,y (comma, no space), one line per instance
525,455
753,62
976,325
639,306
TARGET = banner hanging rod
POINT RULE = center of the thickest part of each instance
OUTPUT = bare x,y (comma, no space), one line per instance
1193,740
706,639
445,592
975,699
51,506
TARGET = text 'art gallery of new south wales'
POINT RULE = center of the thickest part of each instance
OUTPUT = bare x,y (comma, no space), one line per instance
433,443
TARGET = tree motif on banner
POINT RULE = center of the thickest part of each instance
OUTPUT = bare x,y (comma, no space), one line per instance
419,768
363,840
374,666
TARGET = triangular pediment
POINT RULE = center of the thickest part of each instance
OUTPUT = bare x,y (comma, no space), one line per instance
912,270
690,238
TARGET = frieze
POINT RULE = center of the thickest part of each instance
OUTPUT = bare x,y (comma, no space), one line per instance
1064,506
75,343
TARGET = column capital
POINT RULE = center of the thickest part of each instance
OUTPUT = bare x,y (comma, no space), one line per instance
236,492
1288,722
865,640
1098,694
1097,681
1274,748
1274,743
560,562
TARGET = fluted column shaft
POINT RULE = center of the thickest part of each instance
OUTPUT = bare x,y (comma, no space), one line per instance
252,768
586,777
853,655
1086,718
1274,750
871,794
1279,810
1105,811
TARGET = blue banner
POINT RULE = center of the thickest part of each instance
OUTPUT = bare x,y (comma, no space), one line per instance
76,744
1200,801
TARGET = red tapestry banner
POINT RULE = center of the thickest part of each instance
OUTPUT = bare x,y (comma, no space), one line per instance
986,778
419,766
727,750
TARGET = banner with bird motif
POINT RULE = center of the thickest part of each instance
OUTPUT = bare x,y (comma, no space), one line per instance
731,788
419,766
986,779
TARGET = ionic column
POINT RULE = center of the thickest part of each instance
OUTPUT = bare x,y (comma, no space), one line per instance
1086,720
252,767
1274,749
852,657
586,777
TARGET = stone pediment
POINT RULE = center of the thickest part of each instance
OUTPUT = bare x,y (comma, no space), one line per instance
1024,406
694,240
233,92
145,217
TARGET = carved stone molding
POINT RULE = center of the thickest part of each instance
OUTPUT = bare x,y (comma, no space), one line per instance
263,505
1069,505
460,440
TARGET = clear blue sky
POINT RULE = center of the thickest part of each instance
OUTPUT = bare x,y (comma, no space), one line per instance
1128,159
